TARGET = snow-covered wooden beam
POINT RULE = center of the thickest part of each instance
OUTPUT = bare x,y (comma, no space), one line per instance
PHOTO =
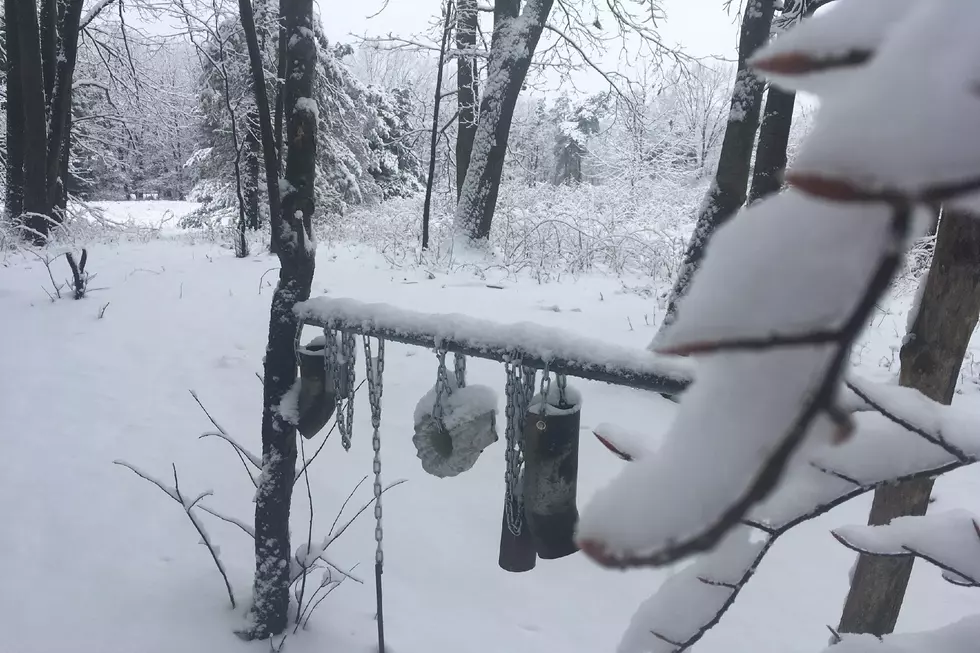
531,344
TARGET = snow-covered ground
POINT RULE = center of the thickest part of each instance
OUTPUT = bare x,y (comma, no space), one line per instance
95,560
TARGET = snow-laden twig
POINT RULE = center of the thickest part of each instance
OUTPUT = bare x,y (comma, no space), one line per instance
188,505
896,444
949,541
243,454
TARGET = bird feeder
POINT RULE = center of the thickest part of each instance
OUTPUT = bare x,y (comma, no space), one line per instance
322,380
550,481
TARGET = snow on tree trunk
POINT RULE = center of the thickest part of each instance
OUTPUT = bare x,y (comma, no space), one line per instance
467,86
931,357
727,192
770,152
293,240
515,36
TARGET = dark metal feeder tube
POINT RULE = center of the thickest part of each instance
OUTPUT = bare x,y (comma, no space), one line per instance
551,443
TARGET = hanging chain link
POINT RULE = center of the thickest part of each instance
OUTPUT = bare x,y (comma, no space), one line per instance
459,367
562,390
443,388
375,378
545,388
339,361
519,390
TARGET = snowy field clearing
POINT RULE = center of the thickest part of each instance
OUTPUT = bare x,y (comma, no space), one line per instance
95,560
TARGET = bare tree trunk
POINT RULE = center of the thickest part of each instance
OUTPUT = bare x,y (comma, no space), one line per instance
59,102
515,37
770,152
727,193
15,117
430,180
270,151
467,86
252,152
293,240
35,186
931,359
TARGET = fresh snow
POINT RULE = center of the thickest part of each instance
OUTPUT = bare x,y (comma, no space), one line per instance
78,392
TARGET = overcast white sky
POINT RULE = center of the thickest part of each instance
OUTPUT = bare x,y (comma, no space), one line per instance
701,26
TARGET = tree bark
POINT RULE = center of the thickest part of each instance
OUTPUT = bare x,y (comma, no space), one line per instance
515,37
252,153
293,239
728,190
467,87
15,117
770,152
430,180
59,102
269,151
35,186
931,359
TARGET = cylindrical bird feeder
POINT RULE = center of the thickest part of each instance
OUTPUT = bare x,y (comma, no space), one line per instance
320,380
551,443
517,552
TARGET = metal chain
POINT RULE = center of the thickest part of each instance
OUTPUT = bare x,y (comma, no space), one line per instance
331,362
513,497
562,389
443,388
545,388
375,368
375,379
459,366
349,355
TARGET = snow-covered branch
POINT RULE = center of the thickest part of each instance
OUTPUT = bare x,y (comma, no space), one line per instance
188,504
881,449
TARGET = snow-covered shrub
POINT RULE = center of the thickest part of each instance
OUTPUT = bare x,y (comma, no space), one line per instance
770,434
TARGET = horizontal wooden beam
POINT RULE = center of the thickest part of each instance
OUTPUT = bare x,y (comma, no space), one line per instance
533,345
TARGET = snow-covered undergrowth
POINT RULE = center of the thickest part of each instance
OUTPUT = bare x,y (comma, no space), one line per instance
548,231
121,569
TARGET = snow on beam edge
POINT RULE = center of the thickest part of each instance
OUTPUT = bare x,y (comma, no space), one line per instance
533,344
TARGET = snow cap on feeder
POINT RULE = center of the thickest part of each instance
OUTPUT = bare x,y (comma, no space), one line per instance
454,423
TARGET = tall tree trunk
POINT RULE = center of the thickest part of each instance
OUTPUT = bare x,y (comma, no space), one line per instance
770,153
434,141
515,37
467,86
931,359
280,75
35,186
252,153
293,240
59,102
270,151
15,117
727,192
48,29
